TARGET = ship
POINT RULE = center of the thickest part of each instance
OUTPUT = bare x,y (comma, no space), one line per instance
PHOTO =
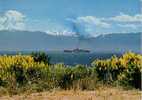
77,50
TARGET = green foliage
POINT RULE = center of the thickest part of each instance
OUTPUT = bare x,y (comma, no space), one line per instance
40,57
126,69
132,69
34,73
80,71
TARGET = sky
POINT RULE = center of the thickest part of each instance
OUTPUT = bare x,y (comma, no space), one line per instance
72,17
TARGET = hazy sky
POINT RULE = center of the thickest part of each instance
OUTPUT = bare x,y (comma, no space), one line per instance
68,17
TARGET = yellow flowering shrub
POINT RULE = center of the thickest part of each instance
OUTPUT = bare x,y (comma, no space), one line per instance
18,70
17,66
127,68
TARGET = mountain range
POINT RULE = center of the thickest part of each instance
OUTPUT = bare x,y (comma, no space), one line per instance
27,41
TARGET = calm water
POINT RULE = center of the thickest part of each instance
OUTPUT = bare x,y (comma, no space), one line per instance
71,58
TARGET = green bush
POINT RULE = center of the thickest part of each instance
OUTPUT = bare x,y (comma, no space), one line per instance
126,69
80,71
20,73
41,57
132,70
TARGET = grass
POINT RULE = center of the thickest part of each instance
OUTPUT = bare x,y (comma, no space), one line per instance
103,93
